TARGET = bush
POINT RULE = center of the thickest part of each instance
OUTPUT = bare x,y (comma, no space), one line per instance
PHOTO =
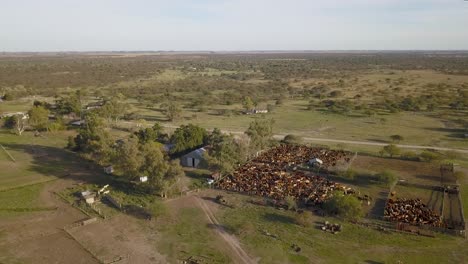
292,139
345,206
429,156
410,155
304,219
386,177
291,203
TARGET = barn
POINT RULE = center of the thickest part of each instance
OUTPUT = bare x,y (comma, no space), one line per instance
193,159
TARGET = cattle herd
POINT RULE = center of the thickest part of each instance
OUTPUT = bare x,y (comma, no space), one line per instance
411,211
271,174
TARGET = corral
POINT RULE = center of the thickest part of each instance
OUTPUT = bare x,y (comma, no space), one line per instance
274,174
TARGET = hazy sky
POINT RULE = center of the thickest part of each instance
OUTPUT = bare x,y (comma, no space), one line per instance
84,25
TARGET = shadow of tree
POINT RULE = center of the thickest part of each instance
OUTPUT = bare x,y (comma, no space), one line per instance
228,229
272,217
59,163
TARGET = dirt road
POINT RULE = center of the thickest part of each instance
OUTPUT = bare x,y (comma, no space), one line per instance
231,240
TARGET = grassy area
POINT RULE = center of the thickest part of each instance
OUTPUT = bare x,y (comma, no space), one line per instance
38,159
183,234
355,244
23,198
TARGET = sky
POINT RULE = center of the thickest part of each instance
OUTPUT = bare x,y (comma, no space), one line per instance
232,25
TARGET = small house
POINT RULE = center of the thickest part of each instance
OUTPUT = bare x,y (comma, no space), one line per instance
315,162
143,178
193,159
109,170
88,197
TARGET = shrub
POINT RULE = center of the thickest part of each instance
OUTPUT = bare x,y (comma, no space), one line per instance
410,155
291,203
386,177
292,139
429,156
304,219
344,206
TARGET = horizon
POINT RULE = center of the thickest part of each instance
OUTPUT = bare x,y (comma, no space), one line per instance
208,25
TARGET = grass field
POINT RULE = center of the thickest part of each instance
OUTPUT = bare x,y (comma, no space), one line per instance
38,159
184,233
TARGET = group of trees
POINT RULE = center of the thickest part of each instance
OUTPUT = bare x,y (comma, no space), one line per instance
37,118
226,153
188,137
138,155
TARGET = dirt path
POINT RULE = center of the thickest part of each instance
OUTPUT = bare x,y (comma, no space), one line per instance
231,240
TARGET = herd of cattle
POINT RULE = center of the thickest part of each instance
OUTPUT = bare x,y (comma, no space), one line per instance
411,211
270,174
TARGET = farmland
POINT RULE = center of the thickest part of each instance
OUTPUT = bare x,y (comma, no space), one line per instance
140,102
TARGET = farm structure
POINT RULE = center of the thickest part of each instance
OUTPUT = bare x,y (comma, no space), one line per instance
433,207
193,159
273,174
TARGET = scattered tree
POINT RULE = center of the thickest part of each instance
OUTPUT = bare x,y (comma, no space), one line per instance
391,150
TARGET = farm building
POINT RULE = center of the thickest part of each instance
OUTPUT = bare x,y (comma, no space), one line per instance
193,158
109,170
256,111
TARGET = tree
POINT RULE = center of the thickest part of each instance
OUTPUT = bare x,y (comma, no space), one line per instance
39,117
260,132
172,111
70,104
93,140
154,163
247,103
225,153
345,206
129,159
113,109
17,123
396,138
386,177
149,134
391,150
188,137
